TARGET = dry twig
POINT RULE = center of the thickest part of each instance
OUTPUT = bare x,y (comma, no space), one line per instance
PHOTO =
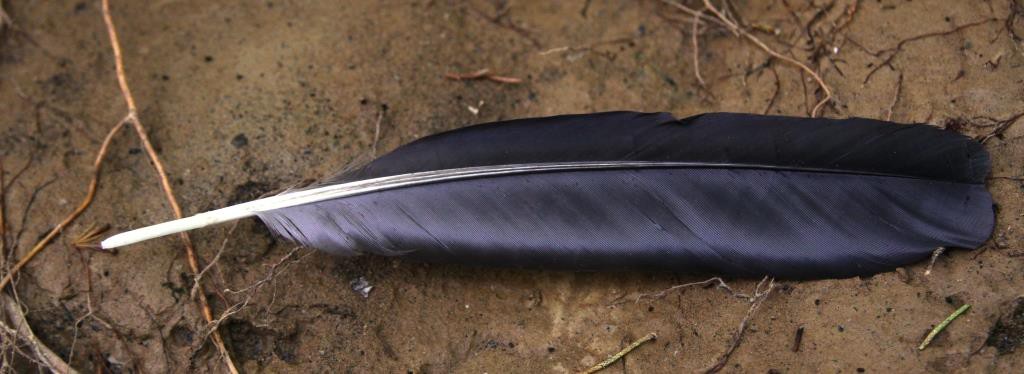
622,353
165,183
22,330
694,36
376,131
482,74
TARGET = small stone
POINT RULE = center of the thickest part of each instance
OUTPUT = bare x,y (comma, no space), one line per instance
240,141
361,286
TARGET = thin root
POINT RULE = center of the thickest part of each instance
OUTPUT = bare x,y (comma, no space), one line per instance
251,290
90,194
894,51
165,182
722,20
755,303
1001,128
704,283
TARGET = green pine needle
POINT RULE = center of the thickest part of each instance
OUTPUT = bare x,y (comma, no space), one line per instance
942,326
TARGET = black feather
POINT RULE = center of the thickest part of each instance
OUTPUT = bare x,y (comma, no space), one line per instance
732,194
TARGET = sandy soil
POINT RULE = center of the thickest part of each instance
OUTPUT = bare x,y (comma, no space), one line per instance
243,98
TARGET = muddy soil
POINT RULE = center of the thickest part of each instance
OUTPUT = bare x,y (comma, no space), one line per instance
243,98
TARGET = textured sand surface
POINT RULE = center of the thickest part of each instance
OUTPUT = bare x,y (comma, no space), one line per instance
243,98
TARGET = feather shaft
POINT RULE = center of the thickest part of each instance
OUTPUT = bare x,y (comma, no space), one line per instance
313,195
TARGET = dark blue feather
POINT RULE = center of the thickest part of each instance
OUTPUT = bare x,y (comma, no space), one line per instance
787,197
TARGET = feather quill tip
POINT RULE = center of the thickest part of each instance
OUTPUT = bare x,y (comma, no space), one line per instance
200,220
114,242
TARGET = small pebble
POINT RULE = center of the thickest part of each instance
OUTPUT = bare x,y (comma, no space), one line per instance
240,141
361,286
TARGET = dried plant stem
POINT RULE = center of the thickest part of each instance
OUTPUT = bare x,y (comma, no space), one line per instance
90,194
615,357
165,183
694,36
22,330
376,131
482,74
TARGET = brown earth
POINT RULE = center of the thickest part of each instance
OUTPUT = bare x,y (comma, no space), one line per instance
243,98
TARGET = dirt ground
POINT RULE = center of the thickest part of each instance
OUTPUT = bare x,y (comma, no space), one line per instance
245,98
